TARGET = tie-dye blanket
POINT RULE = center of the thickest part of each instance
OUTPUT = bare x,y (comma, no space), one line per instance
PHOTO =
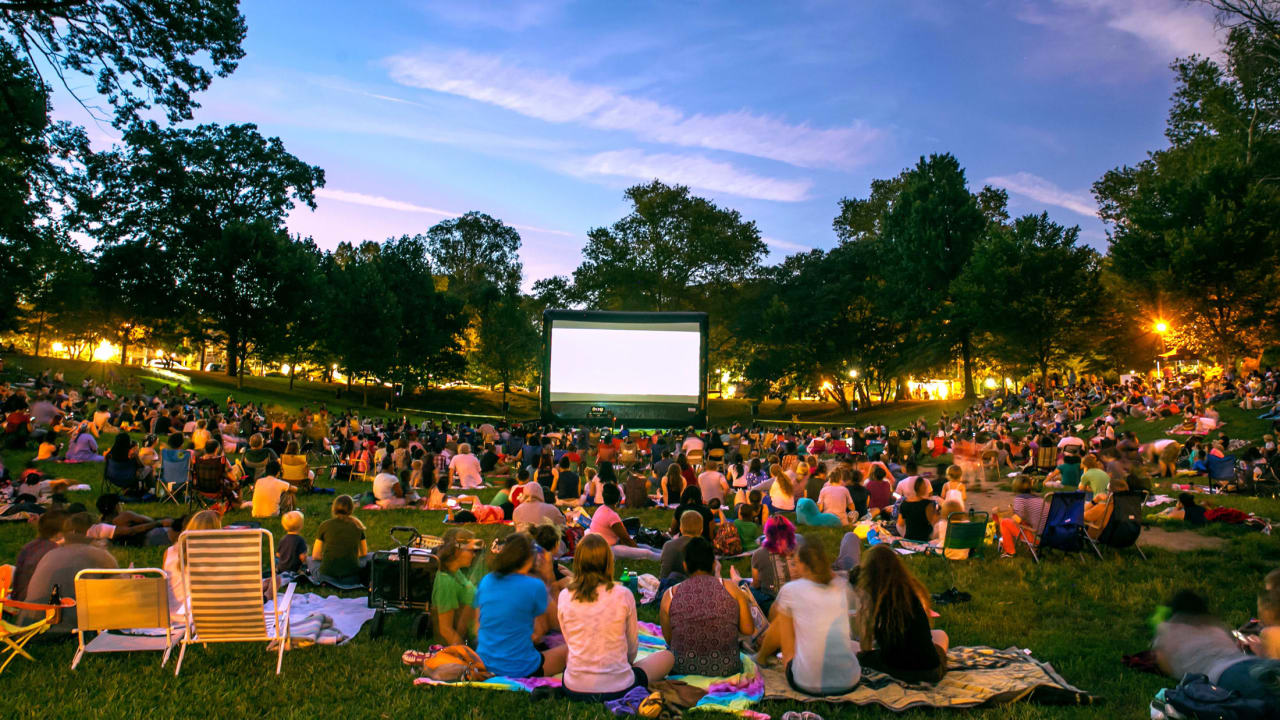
734,694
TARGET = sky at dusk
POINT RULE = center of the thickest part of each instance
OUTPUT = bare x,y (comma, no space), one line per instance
542,113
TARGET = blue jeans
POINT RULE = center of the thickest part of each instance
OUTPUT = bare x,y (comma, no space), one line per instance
1254,678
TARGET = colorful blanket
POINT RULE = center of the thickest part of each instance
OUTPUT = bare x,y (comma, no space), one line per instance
734,694
976,676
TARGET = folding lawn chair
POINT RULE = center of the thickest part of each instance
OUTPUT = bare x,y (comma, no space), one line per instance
1046,460
1124,525
1064,527
1221,471
965,531
15,635
122,599
222,570
209,483
175,473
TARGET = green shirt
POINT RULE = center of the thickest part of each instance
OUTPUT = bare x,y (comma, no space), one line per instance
500,498
748,533
1070,473
452,591
340,553
1097,479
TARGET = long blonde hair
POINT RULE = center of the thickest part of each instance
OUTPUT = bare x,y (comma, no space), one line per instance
781,477
592,568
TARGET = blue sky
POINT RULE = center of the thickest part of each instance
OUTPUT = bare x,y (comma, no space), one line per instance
541,113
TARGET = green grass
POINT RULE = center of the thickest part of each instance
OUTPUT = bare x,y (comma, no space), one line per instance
1081,616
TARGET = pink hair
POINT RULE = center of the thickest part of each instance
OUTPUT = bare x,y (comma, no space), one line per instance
779,535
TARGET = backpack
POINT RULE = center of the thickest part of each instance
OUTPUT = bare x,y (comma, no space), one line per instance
1196,697
726,540
456,663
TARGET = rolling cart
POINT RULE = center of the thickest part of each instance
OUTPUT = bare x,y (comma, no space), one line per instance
401,579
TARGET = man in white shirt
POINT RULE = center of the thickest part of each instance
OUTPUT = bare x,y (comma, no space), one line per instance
386,487
465,468
1070,439
268,491
713,483
692,442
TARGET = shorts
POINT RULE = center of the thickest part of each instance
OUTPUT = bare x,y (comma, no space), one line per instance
641,680
791,681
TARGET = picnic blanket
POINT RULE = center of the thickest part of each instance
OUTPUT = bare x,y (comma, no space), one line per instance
976,676
320,620
734,694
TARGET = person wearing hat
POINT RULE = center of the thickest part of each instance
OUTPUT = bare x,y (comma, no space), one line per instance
1067,475
535,510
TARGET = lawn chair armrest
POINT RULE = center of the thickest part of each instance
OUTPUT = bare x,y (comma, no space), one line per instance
284,606
52,612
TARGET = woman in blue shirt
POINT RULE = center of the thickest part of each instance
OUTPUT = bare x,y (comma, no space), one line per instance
515,609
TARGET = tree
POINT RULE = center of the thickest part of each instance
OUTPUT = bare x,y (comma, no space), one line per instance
669,253
509,342
1036,289
57,271
178,190
479,254
141,53
928,233
1195,222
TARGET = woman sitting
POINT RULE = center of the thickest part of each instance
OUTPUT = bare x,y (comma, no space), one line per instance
703,615
782,494
203,520
672,485
121,468
879,491
810,627
294,469
340,550
771,562
852,480
896,638
606,523
807,514
84,445
516,610
598,619
917,517
1097,512
453,594
954,488
691,499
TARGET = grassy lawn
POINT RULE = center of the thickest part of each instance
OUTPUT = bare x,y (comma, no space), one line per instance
1079,615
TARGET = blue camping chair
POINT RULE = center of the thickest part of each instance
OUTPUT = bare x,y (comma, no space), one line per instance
175,472
1220,470
1064,527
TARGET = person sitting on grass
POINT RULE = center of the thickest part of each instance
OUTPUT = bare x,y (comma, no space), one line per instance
671,560
565,485
810,628
516,610
756,511
58,568
896,637
534,510
48,528
749,531
453,611
271,494
502,498
703,615
879,491
1068,473
598,619
606,522
84,445
949,508
121,468
1192,641
916,517
834,498
291,551
771,562
340,551
672,485
387,490
954,488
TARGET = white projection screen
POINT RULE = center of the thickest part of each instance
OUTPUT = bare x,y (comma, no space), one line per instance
624,365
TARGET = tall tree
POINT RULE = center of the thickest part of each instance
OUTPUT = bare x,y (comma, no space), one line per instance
177,190
509,342
478,253
1036,289
928,234
1196,221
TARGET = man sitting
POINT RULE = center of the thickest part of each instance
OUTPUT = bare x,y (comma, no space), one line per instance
271,494
673,550
59,567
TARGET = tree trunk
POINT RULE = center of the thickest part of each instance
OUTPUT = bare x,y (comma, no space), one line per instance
899,389
233,347
201,368
1044,373
366,390
39,334
124,347
293,370
242,355
966,355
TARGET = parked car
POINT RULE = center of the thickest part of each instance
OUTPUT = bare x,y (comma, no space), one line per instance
215,367
167,364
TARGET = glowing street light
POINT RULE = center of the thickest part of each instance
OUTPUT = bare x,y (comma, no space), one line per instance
1161,327
853,373
105,351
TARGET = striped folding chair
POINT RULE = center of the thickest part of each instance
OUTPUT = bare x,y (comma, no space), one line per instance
222,570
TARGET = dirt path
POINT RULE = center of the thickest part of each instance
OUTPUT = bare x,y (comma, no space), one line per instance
1178,541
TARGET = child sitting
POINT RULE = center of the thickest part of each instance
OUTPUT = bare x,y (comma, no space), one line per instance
291,551
940,528
954,488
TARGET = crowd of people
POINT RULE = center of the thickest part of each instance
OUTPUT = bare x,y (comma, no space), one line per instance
736,491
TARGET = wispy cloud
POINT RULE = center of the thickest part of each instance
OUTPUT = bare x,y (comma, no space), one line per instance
385,203
1172,28
501,14
559,99
785,245
1044,191
692,170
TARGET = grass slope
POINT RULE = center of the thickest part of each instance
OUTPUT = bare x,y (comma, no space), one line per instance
1079,615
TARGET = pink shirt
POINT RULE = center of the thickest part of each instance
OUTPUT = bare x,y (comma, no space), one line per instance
602,523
